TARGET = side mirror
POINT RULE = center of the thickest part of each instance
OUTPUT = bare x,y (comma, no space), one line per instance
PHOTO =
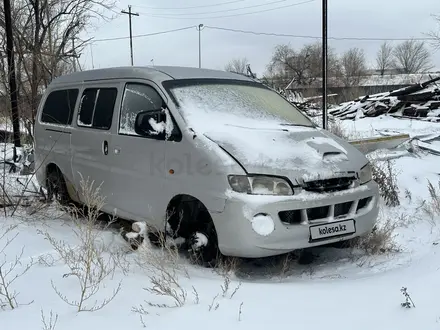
151,124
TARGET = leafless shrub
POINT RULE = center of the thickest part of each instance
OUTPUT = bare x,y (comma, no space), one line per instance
10,271
386,178
141,311
240,311
142,321
237,65
49,324
408,195
335,127
226,287
432,206
382,238
88,262
214,304
166,284
120,260
286,263
196,296
164,268
408,300
227,265
46,260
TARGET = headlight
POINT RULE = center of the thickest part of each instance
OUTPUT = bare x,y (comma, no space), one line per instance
365,174
260,185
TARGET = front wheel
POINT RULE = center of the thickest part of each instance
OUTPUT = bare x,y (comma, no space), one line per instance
192,222
57,188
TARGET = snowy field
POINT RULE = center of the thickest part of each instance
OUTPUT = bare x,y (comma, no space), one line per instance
152,289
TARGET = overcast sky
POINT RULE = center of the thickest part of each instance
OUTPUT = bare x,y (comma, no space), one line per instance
346,18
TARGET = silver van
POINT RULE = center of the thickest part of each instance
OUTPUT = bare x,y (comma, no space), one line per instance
211,157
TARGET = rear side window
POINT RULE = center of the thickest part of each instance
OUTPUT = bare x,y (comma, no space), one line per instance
59,106
87,107
96,108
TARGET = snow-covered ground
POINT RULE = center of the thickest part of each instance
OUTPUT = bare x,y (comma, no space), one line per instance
374,126
341,289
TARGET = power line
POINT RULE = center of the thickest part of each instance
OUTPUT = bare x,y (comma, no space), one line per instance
261,34
145,35
193,7
221,11
315,37
234,15
114,11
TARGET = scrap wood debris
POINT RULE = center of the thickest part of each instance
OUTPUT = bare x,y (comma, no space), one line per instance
418,101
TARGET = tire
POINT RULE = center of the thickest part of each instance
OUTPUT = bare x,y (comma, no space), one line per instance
206,255
198,230
57,188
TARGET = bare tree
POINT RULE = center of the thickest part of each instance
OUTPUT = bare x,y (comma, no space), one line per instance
435,34
412,56
304,66
47,35
353,66
384,58
238,65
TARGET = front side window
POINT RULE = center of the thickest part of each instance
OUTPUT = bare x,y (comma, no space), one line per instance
59,107
96,108
137,98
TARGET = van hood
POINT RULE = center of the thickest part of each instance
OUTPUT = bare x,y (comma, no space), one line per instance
298,153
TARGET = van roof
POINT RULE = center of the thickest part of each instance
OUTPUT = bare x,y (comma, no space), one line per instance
156,73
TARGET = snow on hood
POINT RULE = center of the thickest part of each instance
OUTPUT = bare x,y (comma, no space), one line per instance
273,147
293,152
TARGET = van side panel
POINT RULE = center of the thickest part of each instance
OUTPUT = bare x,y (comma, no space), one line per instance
138,162
92,140
53,138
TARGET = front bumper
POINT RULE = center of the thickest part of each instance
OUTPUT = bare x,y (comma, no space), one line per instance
292,217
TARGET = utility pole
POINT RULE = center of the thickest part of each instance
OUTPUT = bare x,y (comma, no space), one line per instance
13,92
324,64
129,13
91,54
200,45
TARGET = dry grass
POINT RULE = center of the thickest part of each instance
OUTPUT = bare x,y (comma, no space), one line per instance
10,271
385,175
431,207
335,127
49,323
382,239
89,261
164,267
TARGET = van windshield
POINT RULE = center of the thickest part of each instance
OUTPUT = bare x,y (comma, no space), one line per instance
237,104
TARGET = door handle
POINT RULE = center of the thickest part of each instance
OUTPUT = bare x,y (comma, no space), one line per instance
105,147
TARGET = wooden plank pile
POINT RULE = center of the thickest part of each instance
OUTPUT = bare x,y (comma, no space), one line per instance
419,101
